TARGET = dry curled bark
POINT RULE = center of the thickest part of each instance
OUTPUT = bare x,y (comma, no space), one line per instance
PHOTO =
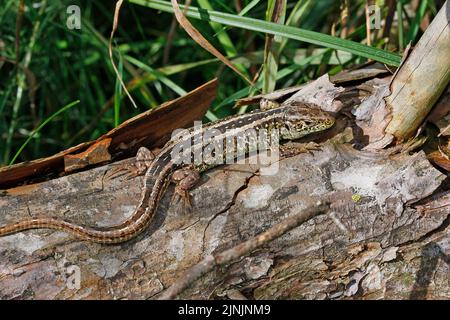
387,238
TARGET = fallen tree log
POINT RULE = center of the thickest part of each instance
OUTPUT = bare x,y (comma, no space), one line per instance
351,220
386,237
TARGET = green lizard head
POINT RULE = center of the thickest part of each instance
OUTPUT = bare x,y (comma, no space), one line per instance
301,119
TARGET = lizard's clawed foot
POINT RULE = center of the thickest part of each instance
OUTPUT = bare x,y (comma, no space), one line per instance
292,150
185,179
183,195
144,158
117,172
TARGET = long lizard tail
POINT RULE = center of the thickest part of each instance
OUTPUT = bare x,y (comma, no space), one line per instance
115,234
130,228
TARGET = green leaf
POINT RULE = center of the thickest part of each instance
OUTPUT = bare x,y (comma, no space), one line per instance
158,75
294,17
245,10
40,127
415,25
281,30
401,42
222,36
280,75
118,93
271,50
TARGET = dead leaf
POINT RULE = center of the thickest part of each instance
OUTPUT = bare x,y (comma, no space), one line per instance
114,28
198,37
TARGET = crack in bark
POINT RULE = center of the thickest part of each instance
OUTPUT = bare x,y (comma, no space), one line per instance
228,206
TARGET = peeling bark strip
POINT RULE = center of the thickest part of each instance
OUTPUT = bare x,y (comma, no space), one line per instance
148,128
422,78
380,244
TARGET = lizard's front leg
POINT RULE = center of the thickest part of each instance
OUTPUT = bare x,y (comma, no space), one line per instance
185,178
144,158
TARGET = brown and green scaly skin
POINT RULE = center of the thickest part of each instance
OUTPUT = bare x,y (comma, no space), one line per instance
292,121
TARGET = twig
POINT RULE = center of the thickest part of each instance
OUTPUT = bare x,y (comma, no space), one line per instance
19,20
344,18
368,27
110,50
171,35
242,249
389,19
169,40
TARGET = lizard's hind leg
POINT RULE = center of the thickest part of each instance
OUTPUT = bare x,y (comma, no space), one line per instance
185,178
143,160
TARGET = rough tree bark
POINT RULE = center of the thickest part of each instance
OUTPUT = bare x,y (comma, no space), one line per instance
386,236
379,243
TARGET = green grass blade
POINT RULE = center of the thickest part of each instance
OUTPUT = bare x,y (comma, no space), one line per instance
158,75
281,30
169,83
211,116
245,10
258,85
40,127
294,17
223,37
118,93
271,52
400,25
249,7
415,25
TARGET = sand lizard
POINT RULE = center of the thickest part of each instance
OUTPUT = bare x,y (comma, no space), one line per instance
292,121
